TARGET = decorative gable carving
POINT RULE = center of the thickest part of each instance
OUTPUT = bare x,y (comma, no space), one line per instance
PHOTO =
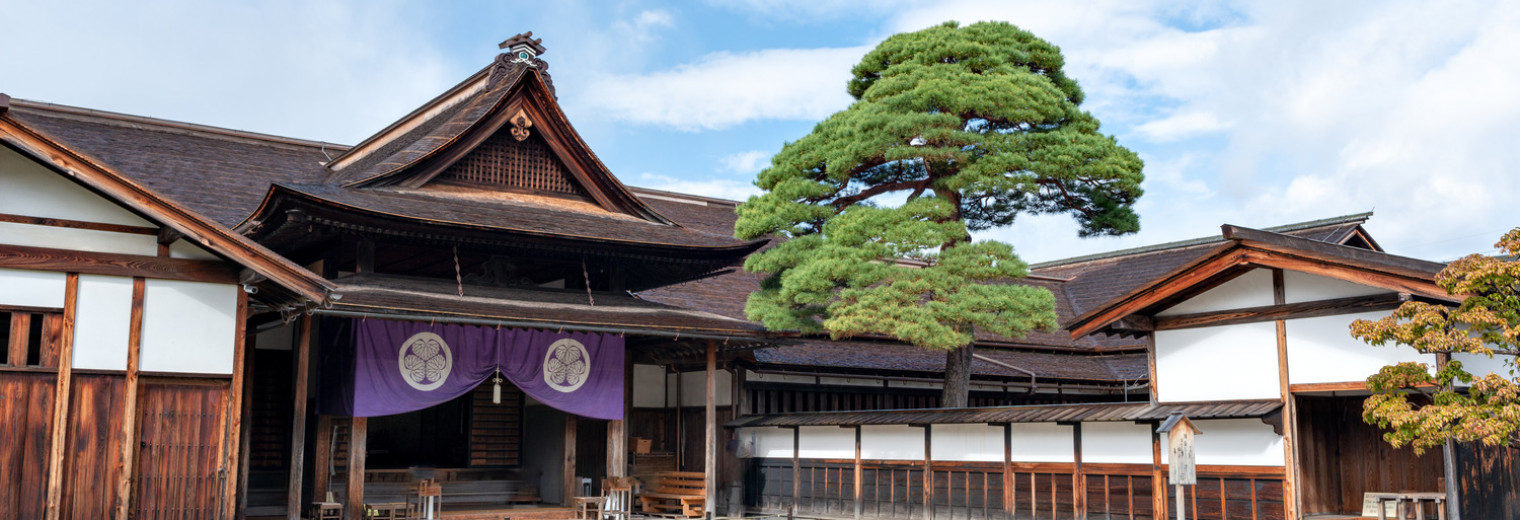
505,160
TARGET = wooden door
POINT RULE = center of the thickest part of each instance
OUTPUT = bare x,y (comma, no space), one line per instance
26,417
180,435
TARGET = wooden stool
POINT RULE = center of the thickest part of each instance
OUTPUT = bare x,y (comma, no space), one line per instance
326,511
589,508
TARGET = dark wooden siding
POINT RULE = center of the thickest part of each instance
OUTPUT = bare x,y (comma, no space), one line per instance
1343,458
181,429
780,398
1490,481
26,416
94,441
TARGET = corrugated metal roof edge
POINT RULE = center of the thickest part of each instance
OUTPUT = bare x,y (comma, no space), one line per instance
1095,412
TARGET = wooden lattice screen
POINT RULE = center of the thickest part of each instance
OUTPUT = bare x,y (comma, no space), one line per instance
496,429
504,161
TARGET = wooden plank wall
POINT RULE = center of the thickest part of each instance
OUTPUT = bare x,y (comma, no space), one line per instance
1343,457
180,435
26,416
775,398
975,490
1489,481
93,441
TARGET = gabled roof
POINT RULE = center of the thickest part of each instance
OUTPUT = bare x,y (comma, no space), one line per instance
1243,249
16,131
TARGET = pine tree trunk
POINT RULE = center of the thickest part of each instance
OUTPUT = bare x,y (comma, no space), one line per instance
957,390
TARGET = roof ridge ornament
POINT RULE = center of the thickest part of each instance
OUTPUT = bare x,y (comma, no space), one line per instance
522,50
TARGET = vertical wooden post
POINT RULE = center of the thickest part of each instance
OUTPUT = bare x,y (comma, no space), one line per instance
710,464
680,426
741,394
1008,487
358,448
298,422
20,328
1449,459
1078,480
322,459
572,485
244,439
61,399
928,472
1291,492
796,471
859,475
233,436
1158,480
617,431
129,401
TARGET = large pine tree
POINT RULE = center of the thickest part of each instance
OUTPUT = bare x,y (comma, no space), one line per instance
954,129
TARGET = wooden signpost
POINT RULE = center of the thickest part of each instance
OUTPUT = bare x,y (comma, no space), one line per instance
1182,463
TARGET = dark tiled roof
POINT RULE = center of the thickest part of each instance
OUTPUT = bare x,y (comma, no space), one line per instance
427,297
1100,412
223,177
443,209
887,357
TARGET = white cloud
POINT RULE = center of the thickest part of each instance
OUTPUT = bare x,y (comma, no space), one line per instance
640,30
808,10
745,163
1180,126
723,90
717,188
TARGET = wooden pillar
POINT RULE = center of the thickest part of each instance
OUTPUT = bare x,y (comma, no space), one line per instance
572,485
1291,492
129,400
859,476
244,439
680,426
232,437
710,454
617,431
1158,478
322,459
358,448
796,471
55,467
298,420
928,472
1008,489
1078,480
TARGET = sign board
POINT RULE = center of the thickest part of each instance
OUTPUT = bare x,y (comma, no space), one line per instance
1370,506
1182,462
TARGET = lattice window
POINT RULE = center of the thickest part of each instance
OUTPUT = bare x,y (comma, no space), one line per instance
29,339
505,161
496,429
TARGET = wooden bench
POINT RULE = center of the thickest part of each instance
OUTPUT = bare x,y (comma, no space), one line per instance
456,493
675,494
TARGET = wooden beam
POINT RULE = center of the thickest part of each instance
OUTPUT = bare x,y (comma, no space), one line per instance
21,324
77,224
298,422
796,471
235,396
129,402
859,475
1395,282
710,464
1285,311
928,472
572,486
321,459
1158,477
1291,491
55,467
245,440
115,264
358,449
617,431
1078,480
1221,259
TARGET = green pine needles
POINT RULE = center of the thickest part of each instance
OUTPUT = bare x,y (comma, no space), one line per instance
954,129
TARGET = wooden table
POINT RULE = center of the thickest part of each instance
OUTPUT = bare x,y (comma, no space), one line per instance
1415,499
388,511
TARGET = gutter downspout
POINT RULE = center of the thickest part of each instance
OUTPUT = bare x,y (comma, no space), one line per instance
1033,384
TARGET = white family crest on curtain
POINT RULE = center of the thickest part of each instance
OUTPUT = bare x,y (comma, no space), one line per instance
566,365
425,361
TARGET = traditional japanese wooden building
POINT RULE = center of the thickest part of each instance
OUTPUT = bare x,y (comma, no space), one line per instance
229,324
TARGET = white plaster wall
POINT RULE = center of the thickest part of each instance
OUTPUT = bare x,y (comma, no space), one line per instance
694,388
77,239
826,442
28,188
1234,442
1481,365
185,249
850,381
1218,363
1321,350
102,322
1304,287
768,442
32,288
1116,442
189,327
967,442
648,386
1253,289
282,337
1042,442
895,442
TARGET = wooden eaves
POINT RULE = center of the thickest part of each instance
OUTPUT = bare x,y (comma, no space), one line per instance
1248,248
101,178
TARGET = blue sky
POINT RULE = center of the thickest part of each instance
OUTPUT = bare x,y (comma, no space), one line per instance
1254,114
